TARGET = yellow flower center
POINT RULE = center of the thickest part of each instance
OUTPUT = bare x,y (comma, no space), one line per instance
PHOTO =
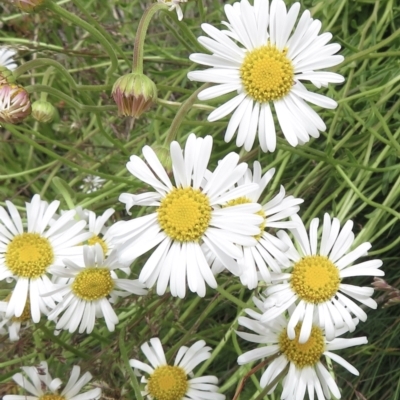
168,383
261,213
267,74
93,284
185,214
303,354
96,239
29,255
51,397
315,279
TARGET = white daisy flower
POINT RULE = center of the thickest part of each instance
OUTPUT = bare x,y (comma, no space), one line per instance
7,58
188,215
269,252
174,5
42,387
12,325
315,282
170,382
260,60
299,364
91,184
97,227
27,257
89,291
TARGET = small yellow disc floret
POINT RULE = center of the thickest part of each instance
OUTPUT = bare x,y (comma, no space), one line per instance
168,383
267,73
93,284
315,279
303,354
185,214
28,255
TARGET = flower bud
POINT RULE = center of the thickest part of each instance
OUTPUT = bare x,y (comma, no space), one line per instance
134,94
29,6
6,76
43,111
164,155
15,105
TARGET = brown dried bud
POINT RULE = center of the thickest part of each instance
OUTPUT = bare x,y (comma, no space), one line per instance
134,94
15,105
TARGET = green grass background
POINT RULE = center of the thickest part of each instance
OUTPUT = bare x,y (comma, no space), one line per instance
351,171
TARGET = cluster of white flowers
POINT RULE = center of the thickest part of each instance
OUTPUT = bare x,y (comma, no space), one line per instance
64,264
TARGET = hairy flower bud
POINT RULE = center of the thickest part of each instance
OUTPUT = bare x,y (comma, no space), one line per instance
29,5
134,94
15,105
43,111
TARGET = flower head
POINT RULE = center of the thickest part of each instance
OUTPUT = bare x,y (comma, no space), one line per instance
261,60
28,255
314,282
306,371
134,94
92,183
43,111
269,252
89,290
39,383
15,105
174,5
189,213
97,227
7,58
170,382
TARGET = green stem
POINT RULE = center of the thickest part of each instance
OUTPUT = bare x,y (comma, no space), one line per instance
366,52
68,99
89,28
363,198
93,21
40,62
182,112
141,35
18,360
124,355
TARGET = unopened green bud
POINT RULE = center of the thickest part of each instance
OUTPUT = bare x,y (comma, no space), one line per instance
134,94
164,155
6,76
43,111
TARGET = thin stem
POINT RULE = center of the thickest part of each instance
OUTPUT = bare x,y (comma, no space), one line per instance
93,21
47,62
137,65
68,99
182,112
124,355
89,28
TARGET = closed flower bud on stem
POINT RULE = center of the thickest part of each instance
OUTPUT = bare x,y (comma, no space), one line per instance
134,94
6,76
43,111
15,105
29,5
